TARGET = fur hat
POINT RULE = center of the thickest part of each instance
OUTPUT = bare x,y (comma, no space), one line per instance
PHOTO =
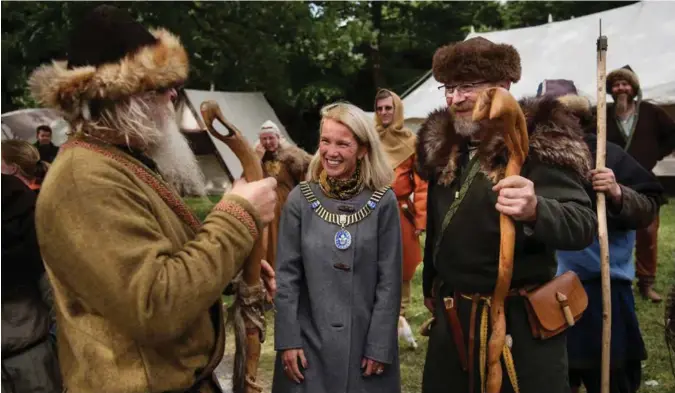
476,59
565,92
110,57
626,73
270,126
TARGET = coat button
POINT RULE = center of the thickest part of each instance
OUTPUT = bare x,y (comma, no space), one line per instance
342,266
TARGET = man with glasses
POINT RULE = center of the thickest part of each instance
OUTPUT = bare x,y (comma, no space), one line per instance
464,163
411,191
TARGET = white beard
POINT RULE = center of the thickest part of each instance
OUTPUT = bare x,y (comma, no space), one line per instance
175,160
465,127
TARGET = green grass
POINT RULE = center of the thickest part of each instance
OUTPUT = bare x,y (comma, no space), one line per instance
656,367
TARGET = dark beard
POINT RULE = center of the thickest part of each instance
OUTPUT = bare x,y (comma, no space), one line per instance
622,102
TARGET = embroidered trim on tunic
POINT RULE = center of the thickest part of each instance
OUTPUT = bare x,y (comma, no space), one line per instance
237,211
174,202
336,218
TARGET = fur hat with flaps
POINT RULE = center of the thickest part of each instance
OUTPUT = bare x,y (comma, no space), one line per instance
474,60
110,57
624,73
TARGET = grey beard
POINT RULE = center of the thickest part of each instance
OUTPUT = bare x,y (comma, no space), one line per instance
175,160
465,127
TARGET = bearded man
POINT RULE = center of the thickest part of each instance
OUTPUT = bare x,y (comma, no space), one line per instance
464,163
647,133
411,191
136,277
286,163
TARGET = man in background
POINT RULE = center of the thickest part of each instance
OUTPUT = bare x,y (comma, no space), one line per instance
47,149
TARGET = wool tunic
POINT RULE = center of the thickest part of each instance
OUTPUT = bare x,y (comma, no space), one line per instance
338,305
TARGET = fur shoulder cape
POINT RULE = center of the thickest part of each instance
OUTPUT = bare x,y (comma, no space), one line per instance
556,139
295,160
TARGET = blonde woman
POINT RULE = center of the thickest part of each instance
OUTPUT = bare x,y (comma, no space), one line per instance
21,159
339,266
29,361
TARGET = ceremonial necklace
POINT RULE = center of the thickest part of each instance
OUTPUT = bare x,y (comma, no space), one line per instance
343,239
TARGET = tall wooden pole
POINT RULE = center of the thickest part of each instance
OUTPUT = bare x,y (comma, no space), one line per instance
602,214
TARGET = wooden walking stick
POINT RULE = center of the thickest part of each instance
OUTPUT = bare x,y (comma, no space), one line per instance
498,103
602,214
249,318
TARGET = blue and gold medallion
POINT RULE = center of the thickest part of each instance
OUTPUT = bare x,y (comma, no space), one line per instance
343,239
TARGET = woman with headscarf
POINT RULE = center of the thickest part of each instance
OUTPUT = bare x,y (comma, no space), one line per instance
285,162
339,267
398,143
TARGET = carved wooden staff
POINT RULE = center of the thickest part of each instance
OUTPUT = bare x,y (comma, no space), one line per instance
602,214
248,307
498,103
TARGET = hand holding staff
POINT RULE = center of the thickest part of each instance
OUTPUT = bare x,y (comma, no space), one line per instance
498,103
602,214
248,308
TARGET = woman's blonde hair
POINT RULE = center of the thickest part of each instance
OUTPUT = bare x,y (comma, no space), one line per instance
375,169
26,158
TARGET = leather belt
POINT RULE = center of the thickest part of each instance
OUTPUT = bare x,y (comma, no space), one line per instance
455,328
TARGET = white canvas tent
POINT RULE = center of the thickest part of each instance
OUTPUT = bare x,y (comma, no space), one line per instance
641,35
247,111
22,124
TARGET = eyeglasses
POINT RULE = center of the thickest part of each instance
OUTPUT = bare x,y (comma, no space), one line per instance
463,89
386,108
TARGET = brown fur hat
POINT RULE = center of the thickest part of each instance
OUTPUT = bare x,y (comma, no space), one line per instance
476,59
626,73
111,57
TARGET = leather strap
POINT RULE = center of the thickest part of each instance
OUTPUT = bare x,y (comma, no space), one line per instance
472,330
450,306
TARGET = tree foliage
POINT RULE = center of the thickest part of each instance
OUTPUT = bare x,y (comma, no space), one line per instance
302,55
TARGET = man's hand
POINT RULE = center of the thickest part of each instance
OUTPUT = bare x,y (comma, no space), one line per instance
261,194
289,358
429,304
516,198
371,367
604,181
269,279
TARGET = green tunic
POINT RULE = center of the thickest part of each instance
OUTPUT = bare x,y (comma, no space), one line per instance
467,256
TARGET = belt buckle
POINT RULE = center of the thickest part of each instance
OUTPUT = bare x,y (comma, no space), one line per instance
449,302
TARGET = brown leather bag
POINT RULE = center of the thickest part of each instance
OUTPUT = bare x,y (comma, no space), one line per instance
555,306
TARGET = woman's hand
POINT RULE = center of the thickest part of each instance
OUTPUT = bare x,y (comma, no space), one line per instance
371,367
289,358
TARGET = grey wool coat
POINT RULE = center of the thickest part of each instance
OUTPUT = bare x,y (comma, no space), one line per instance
338,305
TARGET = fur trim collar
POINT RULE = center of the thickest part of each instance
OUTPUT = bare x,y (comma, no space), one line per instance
555,139
153,67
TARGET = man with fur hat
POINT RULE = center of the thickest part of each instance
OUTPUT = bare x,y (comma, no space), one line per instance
634,195
136,277
286,163
647,133
411,191
464,163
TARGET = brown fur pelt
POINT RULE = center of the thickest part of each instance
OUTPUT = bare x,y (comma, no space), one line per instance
296,161
555,139
162,65
476,59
